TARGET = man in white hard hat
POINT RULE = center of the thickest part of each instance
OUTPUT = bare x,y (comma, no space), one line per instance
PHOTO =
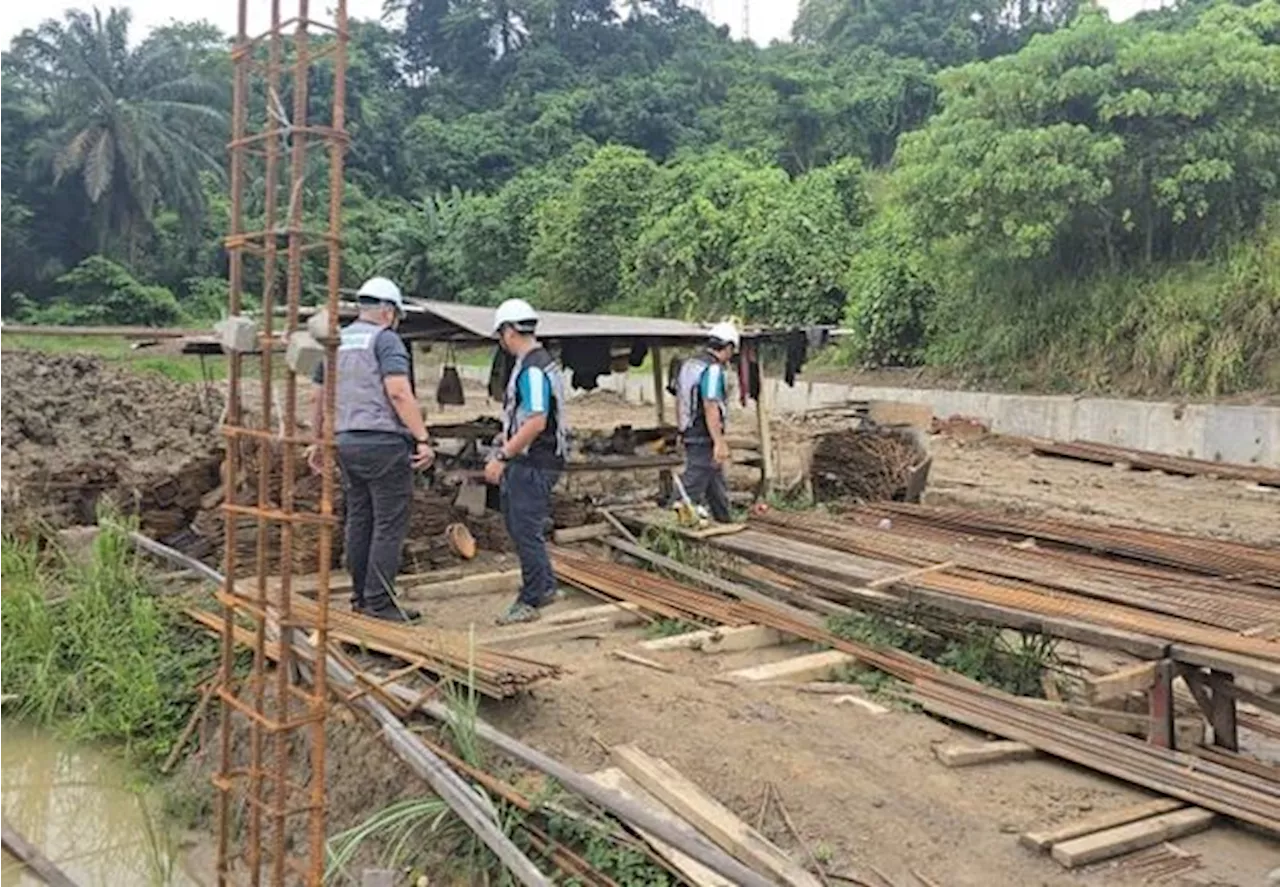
381,438
701,412
530,453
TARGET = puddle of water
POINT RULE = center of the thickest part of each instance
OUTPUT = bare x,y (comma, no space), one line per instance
76,805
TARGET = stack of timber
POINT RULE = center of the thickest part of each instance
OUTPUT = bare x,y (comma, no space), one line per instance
1234,792
1117,832
1038,582
1145,460
1208,557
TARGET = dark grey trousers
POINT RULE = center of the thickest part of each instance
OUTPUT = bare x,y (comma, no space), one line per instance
377,483
526,507
704,480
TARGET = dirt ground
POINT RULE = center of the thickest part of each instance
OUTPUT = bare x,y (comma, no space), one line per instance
865,791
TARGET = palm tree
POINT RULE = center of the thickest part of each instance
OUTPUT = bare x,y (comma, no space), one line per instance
136,126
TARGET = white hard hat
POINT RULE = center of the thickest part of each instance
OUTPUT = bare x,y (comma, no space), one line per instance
516,312
726,332
379,289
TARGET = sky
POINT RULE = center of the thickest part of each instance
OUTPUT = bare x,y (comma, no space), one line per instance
769,19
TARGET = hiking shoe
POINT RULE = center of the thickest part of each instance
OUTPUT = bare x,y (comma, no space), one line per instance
552,597
517,613
392,612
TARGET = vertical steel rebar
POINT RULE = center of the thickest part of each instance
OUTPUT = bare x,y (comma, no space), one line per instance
267,789
235,281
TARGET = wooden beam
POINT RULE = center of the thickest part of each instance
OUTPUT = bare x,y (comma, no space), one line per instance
695,872
886,581
1134,678
764,405
584,533
636,659
1133,836
1233,663
720,640
963,754
709,816
659,388
31,857
1161,706
1223,716
811,667
549,634
1043,839
1189,730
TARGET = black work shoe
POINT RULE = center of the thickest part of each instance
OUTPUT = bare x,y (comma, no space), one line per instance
390,612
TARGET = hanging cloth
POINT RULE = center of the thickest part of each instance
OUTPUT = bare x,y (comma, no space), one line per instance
449,389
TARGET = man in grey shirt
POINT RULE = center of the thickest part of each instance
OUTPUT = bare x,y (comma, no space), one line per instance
381,438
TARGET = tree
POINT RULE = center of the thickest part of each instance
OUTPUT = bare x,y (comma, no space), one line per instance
135,127
583,233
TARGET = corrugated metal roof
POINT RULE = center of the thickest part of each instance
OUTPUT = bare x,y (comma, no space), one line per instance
429,319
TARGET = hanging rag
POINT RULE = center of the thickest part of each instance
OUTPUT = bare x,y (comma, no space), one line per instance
589,359
449,388
744,369
753,373
639,351
797,354
673,376
500,374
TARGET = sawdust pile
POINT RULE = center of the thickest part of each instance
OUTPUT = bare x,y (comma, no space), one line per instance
78,429
866,464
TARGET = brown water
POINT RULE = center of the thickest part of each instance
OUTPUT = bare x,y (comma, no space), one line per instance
80,808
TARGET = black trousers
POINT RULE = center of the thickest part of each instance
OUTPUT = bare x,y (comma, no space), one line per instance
704,480
526,507
377,483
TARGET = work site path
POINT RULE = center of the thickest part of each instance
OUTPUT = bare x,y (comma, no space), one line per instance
864,790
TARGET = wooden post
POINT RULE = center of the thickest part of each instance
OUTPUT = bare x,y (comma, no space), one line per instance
1223,717
764,405
1161,731
659,389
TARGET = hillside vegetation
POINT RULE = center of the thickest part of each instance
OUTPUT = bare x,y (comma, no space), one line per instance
1018,195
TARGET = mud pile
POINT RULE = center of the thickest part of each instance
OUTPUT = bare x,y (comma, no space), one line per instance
78,429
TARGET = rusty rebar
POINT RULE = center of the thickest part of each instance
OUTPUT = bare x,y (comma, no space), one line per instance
265,787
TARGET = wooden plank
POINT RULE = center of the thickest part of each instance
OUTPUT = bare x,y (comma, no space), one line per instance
480,583
1043,839
1160,700
1134,678
30,856
764,408
720,640
622,613
695,872
549,634
811,667
1133,836
963,754
1232,663
584,533
1223,717
709,816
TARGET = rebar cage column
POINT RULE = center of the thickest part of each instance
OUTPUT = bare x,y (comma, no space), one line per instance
278,774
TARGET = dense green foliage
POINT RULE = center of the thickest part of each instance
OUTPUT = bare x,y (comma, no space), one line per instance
1020,192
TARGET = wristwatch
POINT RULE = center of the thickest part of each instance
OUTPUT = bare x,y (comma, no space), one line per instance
501,455
426,441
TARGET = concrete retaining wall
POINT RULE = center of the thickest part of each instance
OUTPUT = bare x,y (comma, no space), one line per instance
1244,434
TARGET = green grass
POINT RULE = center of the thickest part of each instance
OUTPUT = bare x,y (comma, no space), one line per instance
92,652
980,652
666,628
